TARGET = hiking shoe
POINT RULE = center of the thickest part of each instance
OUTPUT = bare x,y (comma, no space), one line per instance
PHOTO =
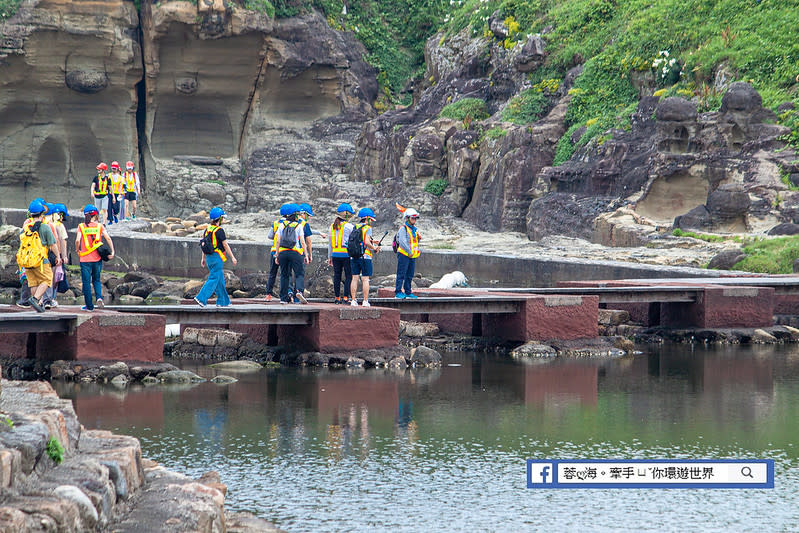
35,304
116,219
411,296
134,216
269,297
198,302
301,298
24,305
400,295
354,303
84,308
366,303
47,305
338,300
53,303
99,303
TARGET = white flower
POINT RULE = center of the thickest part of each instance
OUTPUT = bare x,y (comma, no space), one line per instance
666,53
672,62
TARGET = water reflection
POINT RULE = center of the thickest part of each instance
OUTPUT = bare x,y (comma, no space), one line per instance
352,438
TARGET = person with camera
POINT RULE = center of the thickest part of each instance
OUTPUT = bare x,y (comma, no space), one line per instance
90,248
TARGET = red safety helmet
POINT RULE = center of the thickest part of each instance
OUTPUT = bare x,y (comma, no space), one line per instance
114,164
102,166
129,165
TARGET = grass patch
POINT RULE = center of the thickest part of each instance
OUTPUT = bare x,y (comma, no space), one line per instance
494,133
218,182
443,246
528,107
436,187
466,109
8,8
705,237
770,256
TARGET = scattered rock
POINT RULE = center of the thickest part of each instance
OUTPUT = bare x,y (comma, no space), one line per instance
424,356
179,376
613,317
418,329
223,380
534,349
238,366
760,336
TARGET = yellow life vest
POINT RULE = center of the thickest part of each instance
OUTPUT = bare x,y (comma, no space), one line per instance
367,253
337,244
298,229
275,226
102,186
212,230
414,244
130,181
91,238
116,183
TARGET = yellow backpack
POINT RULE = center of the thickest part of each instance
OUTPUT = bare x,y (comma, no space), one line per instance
31,251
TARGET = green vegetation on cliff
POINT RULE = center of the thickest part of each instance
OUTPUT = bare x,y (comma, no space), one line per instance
8,8
770,256
626,45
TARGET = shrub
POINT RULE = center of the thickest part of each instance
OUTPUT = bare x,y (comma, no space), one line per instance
473,108
261,6
8,8
437,186
772,256
55,451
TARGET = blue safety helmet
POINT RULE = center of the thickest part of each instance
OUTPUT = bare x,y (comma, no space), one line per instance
345,208
49,208
366,212
286,210
306,208
36,207
216,212
61,208
90,210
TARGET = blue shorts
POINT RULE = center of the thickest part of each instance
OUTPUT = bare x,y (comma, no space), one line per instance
361,267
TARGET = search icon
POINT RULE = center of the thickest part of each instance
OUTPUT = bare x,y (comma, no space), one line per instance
747,472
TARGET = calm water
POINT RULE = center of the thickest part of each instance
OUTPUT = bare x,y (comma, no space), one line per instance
428,450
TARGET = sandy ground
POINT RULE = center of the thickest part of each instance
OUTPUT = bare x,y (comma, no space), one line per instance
452,233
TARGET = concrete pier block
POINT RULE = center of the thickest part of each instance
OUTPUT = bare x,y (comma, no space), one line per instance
547,317
723,307
344,328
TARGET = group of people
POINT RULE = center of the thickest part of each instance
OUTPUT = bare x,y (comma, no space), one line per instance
110,190
351,247
351,258
43,254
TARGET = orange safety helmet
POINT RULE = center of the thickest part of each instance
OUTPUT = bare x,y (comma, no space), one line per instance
102,166
114,164
129,165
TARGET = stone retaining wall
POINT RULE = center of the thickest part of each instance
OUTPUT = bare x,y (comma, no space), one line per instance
100,482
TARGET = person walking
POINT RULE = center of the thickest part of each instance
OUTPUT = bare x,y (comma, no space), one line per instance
407,239
292,255
88,239
215,260
100,191
53,217
273,266
132,190
337,256
362,266
36,240
115,196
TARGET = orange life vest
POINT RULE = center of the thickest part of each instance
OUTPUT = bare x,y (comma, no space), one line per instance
92,239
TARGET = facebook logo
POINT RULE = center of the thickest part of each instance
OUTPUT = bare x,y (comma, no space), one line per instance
540,474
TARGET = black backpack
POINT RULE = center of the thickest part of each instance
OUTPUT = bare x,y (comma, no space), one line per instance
355,246
288,239
207,242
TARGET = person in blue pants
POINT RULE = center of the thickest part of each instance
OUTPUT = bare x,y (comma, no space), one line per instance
407,240
215,260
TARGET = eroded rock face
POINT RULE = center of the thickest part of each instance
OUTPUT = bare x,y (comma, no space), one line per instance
68,72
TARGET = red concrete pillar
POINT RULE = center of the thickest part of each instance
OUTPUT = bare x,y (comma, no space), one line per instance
343,328
723,307
547,317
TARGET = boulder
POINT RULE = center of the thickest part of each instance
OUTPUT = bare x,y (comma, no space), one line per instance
786,228
534,349
726,260
192,288
728,202
425,357
223,380
613,317
418,329
179,376
129,299
760,336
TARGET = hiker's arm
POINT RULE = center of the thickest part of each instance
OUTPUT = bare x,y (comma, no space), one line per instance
56,252
229,252
372,245
308,250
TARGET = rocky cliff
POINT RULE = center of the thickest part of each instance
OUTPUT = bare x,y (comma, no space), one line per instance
188,90
724,171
